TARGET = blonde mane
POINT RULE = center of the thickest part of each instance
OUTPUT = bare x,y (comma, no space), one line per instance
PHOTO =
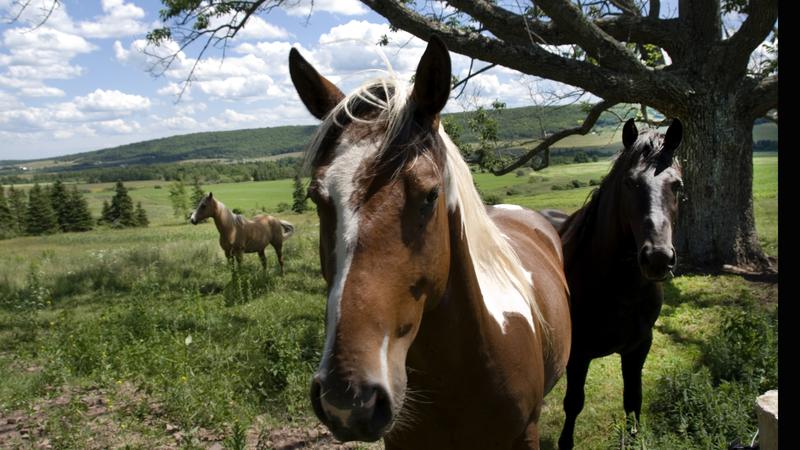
490,251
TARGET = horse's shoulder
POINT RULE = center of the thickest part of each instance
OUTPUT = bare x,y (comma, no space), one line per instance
517,216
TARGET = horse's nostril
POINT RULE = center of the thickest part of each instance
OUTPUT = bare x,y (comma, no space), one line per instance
382,414
674,260
316,399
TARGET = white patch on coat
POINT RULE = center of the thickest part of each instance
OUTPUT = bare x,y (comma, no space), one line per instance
508,207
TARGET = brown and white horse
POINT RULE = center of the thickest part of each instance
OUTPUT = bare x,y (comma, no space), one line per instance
239,235
447,321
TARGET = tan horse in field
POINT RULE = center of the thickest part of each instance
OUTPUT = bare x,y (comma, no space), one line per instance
238,235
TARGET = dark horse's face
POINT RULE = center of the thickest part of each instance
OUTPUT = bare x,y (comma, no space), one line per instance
384,239
649,195
205,209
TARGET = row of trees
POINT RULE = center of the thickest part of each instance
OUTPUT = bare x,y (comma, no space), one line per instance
56,208
43,210
216,173
120,213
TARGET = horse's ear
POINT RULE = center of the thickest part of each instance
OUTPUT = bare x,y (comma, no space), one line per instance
210,195
318,94
673,137
629,133
432,80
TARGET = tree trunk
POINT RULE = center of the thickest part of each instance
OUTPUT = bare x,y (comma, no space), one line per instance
716,225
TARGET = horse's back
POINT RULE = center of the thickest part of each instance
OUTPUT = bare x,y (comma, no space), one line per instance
538,245
273,225
555,217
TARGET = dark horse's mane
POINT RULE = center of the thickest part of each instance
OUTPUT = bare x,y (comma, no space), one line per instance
648,149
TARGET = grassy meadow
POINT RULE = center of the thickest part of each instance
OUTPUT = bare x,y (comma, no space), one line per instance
142,338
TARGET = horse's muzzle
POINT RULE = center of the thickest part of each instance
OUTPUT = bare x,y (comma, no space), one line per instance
360,413
657,262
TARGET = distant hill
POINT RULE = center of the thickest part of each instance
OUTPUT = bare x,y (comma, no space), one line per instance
514,124
230,145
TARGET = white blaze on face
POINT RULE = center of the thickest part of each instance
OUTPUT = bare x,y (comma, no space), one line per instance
338,183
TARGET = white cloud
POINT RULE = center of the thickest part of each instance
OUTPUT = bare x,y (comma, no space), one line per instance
34,13
120,19
31,55
42,91
256,28
118,126
111,101
81,130
43,53
341,7
180,122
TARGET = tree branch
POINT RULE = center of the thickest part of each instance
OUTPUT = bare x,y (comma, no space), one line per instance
587,125
607,50
514,28
647,85
762,98
702,20
470,75
761,17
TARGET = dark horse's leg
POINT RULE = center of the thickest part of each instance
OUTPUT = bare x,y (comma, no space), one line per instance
263,257
278,251
632,363
577,368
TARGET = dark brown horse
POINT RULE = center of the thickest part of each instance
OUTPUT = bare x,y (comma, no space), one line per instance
617,251
447,321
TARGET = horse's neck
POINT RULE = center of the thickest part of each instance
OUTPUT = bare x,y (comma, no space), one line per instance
606,245
451,336
223,219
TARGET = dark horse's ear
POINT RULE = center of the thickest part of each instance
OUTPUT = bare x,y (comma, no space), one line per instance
210,195
318,94
673,137
629,133
432,80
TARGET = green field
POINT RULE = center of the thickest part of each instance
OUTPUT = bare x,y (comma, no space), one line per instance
142,338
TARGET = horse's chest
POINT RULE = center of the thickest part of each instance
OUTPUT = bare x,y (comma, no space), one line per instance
614,325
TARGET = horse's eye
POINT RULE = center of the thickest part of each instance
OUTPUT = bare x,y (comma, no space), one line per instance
313,192
432,196
677,186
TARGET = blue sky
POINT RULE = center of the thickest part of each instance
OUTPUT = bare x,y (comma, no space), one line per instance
81,82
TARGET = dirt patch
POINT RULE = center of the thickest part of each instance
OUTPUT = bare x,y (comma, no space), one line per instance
82,418
103,418
317,437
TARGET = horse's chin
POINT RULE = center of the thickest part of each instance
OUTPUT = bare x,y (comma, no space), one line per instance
656,277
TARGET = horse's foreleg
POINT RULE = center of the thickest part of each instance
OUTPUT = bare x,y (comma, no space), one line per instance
263,257
530,439
632,363
577,368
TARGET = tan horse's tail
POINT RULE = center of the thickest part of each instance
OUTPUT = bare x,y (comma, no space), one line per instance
288,229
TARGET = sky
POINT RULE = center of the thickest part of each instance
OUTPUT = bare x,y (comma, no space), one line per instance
84,80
